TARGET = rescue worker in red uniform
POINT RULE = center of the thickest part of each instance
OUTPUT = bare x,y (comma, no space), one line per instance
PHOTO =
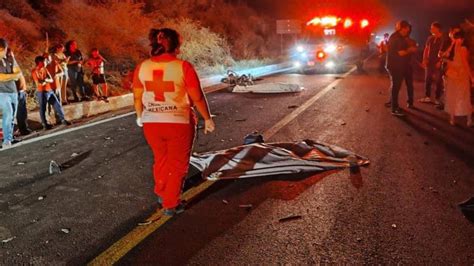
165,91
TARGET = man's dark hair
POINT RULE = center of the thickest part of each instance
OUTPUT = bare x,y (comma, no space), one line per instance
404,24
39,59
3,43
437,25
459,35
68,44
163,41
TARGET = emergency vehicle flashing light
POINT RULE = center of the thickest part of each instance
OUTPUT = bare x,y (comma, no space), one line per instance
320,55
364,23
333,21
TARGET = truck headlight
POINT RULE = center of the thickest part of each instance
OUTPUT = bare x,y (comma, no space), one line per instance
330,48
299,48
330,64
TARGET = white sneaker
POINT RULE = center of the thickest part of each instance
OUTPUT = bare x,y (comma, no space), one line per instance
6,145
425,100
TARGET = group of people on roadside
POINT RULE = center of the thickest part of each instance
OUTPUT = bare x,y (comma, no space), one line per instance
446,64
55,71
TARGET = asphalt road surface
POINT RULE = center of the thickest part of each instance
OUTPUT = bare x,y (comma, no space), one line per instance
400,209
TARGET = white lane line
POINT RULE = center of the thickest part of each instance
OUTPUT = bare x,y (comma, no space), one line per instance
291,116
69,130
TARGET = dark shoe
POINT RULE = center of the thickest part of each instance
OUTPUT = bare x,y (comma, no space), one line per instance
47,126
398,113
173,211
25,132
388,104
410,106
440,106
105,99
65,122
15,141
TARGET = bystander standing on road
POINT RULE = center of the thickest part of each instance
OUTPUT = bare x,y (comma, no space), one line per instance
432,64
383,48
409,71
45,94
398,62
165,90
9,74
458,81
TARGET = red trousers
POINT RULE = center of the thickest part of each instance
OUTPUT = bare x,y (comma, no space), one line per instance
171,144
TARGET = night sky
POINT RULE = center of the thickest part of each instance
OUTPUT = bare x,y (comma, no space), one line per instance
420,13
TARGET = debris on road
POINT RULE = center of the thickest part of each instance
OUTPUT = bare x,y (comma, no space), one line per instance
74,154
293,106
240,120
20,163
66,230
359,239
290,218
343,123
426,143
145,223
225,202
467,208
41,198
4,241
394,226
246,206
108,138
54,168
268,88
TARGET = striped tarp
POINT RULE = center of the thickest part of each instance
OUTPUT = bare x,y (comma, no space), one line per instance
269,159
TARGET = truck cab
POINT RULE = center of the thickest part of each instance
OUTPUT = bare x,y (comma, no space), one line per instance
330,43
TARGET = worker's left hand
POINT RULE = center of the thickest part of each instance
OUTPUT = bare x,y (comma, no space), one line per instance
139,122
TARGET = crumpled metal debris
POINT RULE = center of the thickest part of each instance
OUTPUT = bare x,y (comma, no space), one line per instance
54,168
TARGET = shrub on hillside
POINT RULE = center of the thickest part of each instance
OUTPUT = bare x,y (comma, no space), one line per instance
119,29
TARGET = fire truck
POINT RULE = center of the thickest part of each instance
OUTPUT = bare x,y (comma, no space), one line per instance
329,43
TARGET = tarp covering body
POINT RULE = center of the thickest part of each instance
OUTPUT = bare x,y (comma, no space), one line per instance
268,88
269,159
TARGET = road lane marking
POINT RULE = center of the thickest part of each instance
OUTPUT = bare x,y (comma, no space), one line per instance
120,248
291,116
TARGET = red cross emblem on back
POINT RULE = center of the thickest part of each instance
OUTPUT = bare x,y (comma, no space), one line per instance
158,86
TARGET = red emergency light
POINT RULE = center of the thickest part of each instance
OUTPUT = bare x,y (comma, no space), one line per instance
320,55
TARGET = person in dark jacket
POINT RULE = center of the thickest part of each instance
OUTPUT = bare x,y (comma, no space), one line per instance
399,62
